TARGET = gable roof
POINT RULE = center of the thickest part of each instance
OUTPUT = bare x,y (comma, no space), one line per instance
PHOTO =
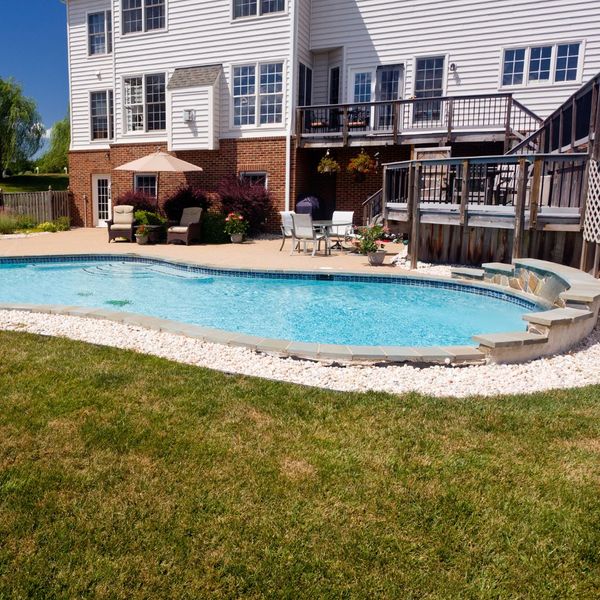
189,77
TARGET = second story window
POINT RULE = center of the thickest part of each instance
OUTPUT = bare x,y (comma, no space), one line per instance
143,15
253,8
101,115
262,98
547,64
100,33
145,103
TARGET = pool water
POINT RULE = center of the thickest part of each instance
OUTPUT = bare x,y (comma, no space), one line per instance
306,310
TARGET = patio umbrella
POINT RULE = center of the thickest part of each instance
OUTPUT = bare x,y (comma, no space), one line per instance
159,162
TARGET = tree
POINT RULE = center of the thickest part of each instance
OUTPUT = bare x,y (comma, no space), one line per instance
57,156
21,130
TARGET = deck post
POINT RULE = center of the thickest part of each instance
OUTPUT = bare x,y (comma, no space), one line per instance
536,189
345,125
299,126
450,119
520,210
508,124
396,120
416,217
464,212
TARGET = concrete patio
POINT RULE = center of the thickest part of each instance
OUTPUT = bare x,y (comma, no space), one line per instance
259,254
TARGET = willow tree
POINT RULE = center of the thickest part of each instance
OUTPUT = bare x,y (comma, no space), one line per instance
55,159
21,131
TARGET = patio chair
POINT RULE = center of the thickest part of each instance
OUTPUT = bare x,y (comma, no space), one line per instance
303,231
122,223
287,226
188,229
341,228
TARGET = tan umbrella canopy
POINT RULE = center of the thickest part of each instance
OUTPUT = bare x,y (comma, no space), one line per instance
159,162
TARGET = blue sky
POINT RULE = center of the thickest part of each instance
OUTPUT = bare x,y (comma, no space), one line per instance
33,51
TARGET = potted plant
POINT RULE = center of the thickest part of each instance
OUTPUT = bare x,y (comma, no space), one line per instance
371,242
153,224
328,165
361,166
235,227
141,235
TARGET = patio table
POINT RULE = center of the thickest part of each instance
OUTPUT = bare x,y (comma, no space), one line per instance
325,226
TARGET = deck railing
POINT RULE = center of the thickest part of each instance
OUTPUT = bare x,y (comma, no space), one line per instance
535,183
447,114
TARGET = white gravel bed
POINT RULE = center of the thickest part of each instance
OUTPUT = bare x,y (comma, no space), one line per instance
576,369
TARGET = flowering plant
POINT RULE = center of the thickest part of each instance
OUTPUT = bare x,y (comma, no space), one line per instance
142,230
235,223
362,164
328,165
374,238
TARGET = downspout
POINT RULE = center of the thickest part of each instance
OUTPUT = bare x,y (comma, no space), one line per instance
291,111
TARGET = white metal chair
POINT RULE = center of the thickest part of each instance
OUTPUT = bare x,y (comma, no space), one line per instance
341,228
287,226
303,231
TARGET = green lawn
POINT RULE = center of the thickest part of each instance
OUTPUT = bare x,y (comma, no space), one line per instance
34,183
126,476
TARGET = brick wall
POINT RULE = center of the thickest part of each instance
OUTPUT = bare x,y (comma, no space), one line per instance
233,157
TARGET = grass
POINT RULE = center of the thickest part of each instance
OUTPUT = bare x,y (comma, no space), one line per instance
34,183
127,476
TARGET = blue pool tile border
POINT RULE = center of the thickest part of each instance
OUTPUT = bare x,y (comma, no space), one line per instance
419,281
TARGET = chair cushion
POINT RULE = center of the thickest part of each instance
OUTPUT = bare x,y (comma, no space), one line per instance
178,229
190,216
123,215
120,227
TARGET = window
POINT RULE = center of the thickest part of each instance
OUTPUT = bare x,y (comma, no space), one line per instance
145,103
534,65
429,83
305,86
254,178
102,115
143,15
146,183
514,66
251,8
567,62
539,63
264,99
100,33
362,86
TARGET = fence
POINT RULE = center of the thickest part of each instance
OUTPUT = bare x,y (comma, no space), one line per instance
41,206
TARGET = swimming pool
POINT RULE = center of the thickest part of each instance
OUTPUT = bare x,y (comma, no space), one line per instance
310,307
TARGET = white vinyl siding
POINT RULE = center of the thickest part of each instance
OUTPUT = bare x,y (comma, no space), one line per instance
199,132
471,33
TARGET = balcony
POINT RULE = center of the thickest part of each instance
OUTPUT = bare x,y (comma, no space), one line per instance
484,117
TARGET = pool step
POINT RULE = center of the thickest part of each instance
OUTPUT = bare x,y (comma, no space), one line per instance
468,273
504,340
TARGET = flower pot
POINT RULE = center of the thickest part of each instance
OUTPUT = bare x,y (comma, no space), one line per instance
376,258
237,238
142,240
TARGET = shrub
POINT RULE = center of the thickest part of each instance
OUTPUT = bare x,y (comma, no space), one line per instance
62,224
148,217
138,200
252,201
9,222
47,226
235,223
185,197
213,229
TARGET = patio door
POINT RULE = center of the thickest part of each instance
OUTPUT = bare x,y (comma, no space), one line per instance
101,193
390,87
363,85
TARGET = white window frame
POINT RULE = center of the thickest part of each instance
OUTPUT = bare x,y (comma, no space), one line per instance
111,127
264,174
136,176
144,131
144,31
259,14
418,57
257,95
107,20
553,62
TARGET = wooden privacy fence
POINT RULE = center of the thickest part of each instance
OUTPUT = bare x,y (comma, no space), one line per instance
41,206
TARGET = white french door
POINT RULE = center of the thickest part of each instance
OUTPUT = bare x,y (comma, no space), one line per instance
101,192
363,85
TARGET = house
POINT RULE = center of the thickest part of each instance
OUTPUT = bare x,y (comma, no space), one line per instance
264,88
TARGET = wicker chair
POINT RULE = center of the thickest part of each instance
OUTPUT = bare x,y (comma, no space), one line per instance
122,223
188,229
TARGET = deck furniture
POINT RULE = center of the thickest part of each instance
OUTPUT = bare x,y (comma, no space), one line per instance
287,226
188,229
306,230
122,223
341,227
